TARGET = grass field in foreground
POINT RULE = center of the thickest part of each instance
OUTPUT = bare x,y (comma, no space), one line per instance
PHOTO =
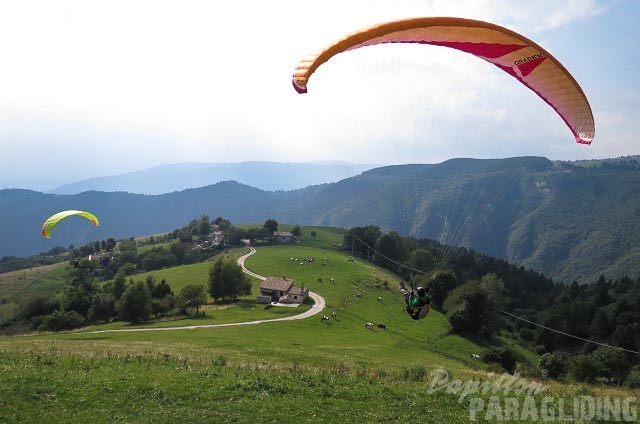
297,371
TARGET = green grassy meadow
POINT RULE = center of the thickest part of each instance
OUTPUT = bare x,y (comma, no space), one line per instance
16,285
294,371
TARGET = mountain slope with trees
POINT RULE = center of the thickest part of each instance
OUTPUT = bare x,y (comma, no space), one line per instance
572,222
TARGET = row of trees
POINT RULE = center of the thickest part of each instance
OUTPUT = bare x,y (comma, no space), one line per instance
85,301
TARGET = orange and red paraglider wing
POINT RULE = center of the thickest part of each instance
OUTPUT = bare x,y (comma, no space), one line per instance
515,54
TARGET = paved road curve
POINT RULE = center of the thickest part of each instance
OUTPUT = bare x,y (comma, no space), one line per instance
315,309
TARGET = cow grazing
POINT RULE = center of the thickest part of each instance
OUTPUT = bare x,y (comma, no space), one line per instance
382,326
369,326
333,280
324,318
334,314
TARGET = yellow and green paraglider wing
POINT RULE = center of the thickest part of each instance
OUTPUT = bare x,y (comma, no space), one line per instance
53,220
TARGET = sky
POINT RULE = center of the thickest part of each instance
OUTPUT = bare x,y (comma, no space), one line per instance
92,88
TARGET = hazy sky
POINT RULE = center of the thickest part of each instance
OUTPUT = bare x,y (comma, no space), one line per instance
93,88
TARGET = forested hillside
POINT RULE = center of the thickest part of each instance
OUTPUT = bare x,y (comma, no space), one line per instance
570,221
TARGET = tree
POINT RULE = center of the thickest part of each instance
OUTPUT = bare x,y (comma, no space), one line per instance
358,235
440,284
313,234
222,223
128,250
296,231
473,307
160,307
110,244
119,284
391,246
102,307
161,290
179,250
226,279
601,292
204,227
583,368
627,331
611,363
135,305
601,325
421,259
633,378
79,295
216,285
151,283
271,226
555,364
193,296
499,355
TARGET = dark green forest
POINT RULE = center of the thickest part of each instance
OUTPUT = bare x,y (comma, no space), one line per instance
590,332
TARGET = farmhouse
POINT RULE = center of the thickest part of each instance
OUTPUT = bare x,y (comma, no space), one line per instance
281,290
218,237
283,236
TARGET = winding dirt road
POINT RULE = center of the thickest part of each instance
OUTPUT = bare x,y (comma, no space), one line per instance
318,306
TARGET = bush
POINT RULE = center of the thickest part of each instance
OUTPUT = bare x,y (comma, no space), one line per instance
633,378
59,321
36,305
555,363
499,355
583,368
416,373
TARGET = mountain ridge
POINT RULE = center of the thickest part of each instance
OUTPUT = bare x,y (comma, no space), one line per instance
268,176
570,222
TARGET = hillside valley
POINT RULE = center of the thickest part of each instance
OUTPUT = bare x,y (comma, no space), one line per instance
572,222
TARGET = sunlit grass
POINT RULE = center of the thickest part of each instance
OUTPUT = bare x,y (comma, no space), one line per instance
293,371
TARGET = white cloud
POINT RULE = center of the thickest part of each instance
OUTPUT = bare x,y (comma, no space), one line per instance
165,81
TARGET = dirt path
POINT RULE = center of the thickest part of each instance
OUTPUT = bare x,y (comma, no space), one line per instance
317,307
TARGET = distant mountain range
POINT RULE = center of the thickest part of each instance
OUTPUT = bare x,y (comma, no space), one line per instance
269,176
571,221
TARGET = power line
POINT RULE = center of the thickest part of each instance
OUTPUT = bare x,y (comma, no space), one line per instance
567,334
388,258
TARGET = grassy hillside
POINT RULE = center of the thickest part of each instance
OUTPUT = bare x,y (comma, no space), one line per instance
16,285
296,371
